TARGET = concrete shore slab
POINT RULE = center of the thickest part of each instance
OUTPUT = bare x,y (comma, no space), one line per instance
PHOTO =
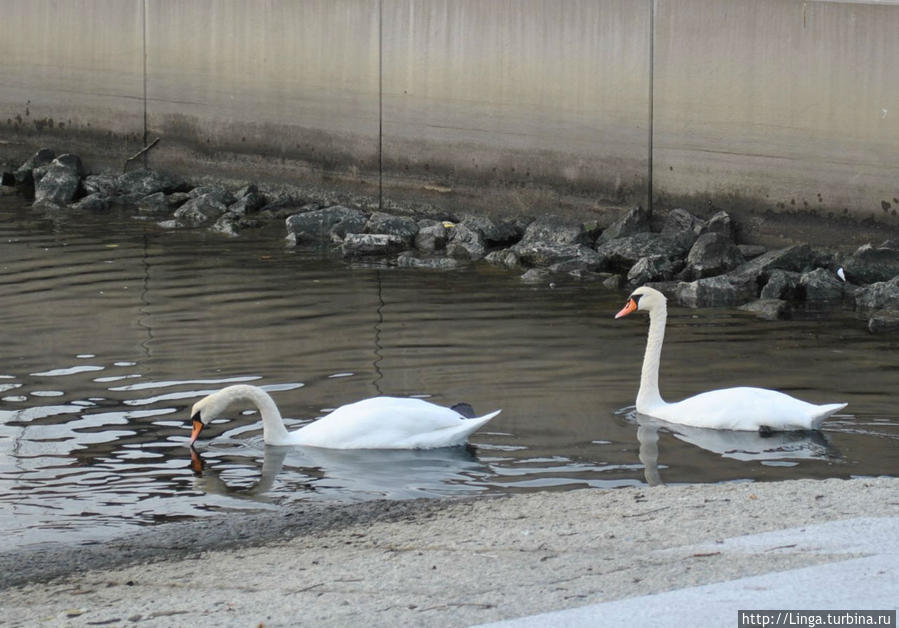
870,582
692,550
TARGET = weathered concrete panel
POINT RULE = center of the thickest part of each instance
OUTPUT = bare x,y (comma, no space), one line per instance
516,104
71,77
777,104
513,105
285,86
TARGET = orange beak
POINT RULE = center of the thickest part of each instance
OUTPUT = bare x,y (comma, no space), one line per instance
629,307
195,433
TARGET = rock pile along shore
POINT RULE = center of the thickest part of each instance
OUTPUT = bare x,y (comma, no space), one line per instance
695,262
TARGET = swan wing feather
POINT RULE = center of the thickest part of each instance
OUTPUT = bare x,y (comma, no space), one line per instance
389,423
746,408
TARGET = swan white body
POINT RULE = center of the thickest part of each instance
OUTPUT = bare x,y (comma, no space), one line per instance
742,408
376,423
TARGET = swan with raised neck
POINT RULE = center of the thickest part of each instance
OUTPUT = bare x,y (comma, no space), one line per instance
742,408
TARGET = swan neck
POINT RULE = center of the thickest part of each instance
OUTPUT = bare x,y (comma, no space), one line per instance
648,396
273,429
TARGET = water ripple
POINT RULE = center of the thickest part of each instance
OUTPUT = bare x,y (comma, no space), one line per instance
133,325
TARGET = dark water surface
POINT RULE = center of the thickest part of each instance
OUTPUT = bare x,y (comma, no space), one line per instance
113,327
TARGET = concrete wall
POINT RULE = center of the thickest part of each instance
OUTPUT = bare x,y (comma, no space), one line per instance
69,78
509,105
512,103
281,84
780,104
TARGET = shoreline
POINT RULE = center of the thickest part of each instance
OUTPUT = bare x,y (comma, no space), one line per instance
445,562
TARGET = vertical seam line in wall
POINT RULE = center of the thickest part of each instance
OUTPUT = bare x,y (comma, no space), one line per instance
652,65
380,104
144,70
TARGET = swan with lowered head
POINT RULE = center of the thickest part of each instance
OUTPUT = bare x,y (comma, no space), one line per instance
376,423
740,408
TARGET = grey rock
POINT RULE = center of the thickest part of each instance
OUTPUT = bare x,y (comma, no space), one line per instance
870,265
177,199
551,239
154,204
60,181
683,226
883,295
890,244
126,200
431,237
620,254
200,210
721,223
408,260
799,257
720,291
883,322
466,243
678,220
768,309
827,259
751,251
782,285
553,231
504,257
583,274
389,224
103,184
821,286
494,232
653,268
536,275
635,220
24,174
215,193
47,205
250,188
230,224
544,254
39,172
248,203
284,208
92,202
614,282
712,254
321,226
365,244
144,181
582,261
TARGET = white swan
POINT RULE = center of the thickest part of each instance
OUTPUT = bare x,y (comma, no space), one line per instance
376,423
727,409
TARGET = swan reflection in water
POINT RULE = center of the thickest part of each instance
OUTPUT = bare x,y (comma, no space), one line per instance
349,473
746,446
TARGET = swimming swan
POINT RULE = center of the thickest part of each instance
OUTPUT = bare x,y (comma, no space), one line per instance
727,409
376,423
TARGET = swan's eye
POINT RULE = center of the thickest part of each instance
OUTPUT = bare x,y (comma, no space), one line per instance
636,298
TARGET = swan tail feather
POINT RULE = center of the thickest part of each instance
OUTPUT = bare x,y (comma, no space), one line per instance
486,417
827,411
470,426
